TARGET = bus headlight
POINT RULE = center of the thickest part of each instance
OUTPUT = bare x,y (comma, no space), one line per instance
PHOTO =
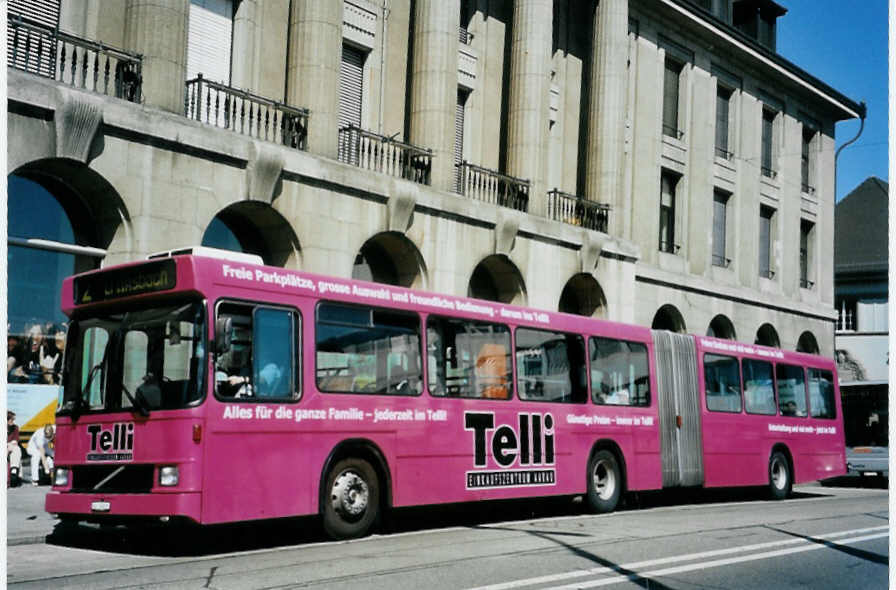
60,478
168,475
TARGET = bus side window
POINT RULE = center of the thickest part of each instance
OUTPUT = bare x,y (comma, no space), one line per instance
722,380
468,358
274,368
791,390
619,374
233,366
759,387
821,394
550,366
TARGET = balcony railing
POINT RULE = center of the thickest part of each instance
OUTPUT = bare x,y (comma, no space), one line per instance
246,113
45,51
490,186
806,283
370,151
724,154
575,210
673,132
721,261
808,189
769,172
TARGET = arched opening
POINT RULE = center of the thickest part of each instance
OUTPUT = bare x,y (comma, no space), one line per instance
807,343
497,278
668,318
582,295
766,335
254,228
721,327
390,258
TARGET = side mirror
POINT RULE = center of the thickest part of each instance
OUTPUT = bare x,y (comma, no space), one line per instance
223,334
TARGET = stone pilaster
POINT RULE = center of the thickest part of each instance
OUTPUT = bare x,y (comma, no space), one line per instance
158,30
434,85
606,116
259,47
527,117
315,57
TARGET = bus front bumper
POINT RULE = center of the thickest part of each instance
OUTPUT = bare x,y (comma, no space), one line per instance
110,507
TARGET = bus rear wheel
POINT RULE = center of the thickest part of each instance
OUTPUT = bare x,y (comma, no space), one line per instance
780,477
604,482
351,503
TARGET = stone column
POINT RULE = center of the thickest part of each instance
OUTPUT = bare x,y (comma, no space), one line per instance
315,58
434,85
527,116
606,117
259,47
158,30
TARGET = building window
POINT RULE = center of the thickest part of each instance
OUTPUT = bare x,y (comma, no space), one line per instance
719,228
768,143
668,181
670,98
806,163
765,242
807,235
723,118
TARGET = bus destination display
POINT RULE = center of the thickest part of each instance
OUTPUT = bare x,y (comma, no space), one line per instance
125,282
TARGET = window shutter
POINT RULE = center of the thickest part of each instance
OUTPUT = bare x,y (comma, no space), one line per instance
765,234
459,133
719,222
40,57
351,86
209,40
722,102
670,98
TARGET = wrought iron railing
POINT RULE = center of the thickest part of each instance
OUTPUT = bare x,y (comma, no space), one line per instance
808,189
490,186
36,48
379,153
723,153
721,261
806,283
769,172
575,210
246,113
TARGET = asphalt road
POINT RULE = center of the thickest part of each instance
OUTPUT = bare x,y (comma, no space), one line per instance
822,538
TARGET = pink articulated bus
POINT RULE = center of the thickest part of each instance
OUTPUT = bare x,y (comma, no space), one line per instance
204,387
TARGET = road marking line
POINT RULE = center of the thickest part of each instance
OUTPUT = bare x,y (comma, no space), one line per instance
672,559
718,563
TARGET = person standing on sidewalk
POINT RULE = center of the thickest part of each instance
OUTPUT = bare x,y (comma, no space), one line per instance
13,451
40,447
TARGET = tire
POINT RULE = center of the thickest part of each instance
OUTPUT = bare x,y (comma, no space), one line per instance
780,476
351,499
605,482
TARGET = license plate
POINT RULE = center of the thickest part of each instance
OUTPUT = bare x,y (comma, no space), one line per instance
100,506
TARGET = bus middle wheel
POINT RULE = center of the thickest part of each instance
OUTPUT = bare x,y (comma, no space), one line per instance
604,482
351,502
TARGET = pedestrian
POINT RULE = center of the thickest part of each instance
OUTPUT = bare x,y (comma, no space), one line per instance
13,451
41,450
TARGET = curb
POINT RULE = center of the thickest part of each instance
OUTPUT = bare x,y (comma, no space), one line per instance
33,540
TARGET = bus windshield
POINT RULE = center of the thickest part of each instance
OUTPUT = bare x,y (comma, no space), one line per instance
139,360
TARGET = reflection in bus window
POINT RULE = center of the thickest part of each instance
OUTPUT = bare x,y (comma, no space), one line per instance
722,378
791,390
92,378
367,350
619,374
759,388
468,358
821,394
274,371
550,366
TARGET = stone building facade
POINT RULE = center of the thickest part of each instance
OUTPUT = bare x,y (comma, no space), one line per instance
646,161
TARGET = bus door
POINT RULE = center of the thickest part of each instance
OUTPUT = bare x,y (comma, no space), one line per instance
679,409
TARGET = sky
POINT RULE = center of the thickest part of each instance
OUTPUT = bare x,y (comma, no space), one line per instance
844,44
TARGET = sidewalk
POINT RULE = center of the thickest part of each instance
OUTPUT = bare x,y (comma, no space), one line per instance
26,520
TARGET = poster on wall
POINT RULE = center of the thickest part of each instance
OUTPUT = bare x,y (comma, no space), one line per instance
34,405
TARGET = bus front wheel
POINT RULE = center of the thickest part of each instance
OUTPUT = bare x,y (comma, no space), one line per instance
604,482
780,478
352,499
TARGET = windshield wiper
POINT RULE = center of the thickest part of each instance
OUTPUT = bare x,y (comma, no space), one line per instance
139,406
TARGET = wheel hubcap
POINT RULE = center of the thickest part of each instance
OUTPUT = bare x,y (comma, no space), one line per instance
779,475
350,494
604,480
